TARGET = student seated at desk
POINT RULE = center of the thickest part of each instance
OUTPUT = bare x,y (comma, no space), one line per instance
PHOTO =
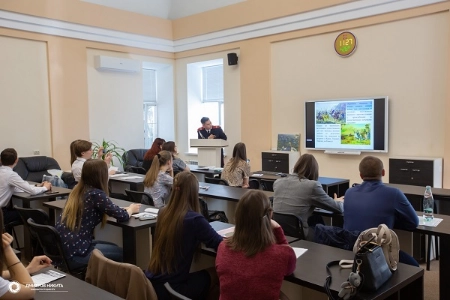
11,182
81,150
180,229
177,164
253,262
372,203
237,171
159,179
300,193
15,270
150,154
87,206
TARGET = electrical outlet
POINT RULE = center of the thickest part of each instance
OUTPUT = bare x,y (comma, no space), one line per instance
36,152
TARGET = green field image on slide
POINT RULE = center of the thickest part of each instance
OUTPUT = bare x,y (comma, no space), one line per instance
355,134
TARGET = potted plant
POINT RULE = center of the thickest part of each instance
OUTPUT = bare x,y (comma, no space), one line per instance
109,147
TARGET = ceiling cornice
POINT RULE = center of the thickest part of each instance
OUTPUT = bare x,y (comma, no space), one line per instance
335,14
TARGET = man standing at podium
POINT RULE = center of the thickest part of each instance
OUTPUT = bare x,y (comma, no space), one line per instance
209,131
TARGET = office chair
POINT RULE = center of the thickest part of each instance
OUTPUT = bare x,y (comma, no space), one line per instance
291,224
120,279
40,217
267,185
140,197
51,245
215,181
10,227
174,294
253,184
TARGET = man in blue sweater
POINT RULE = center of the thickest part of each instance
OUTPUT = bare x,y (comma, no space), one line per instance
372,203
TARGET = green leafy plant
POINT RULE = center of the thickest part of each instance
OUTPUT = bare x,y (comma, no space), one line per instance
109,147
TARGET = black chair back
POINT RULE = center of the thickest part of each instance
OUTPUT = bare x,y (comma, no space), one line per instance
139,197
267,185
291,224
133,158
34,167
38,215
253,184
52,247
215,181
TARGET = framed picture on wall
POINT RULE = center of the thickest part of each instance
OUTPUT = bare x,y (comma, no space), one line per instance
288,142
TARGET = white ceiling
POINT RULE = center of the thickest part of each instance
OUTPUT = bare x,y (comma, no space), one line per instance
166,9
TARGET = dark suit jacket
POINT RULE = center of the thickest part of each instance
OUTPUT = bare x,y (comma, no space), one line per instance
216,130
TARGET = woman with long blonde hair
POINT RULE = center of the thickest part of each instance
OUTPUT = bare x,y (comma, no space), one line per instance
179,231
253,262
87,206
159,179
237,170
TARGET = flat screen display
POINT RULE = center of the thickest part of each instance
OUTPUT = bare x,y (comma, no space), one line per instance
359,124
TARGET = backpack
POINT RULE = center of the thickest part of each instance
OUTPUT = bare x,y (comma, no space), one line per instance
386,238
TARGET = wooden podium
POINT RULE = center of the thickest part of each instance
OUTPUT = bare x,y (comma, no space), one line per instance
209,151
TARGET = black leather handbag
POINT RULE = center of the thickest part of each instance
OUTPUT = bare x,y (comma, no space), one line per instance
372,266
369,272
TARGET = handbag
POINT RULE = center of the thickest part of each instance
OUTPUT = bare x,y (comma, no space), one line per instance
369,271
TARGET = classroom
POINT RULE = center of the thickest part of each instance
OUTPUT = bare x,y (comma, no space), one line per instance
57,83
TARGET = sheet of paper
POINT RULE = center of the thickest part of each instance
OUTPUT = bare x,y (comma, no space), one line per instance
152,210
118,175
131,177
299,251
257,174
46,277
226,232
435,222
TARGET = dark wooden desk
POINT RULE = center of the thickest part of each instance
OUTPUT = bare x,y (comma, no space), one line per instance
329,184
135,184
405,283
202,170
26,200
73,289
225,192
129,228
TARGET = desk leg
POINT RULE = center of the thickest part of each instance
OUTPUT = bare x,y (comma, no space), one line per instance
414,290
27,252
444,266
129,245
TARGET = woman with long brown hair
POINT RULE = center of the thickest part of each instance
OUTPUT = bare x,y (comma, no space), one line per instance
87,206
237,170
301,192
159,179
80,151
177,164
15,271
179,231
150,154
253,262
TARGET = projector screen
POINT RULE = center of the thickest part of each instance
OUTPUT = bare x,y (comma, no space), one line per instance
347,125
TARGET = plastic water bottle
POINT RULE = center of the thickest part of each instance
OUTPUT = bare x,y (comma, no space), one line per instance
428,205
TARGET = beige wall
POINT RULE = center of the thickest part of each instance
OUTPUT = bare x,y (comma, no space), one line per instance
388,61
24,87
264,68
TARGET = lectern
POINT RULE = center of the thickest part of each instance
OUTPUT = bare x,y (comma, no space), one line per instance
209,151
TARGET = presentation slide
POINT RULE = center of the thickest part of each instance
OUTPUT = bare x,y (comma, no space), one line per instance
344,124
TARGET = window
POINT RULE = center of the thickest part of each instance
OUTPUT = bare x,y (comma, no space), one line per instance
205,95
212,92
150,108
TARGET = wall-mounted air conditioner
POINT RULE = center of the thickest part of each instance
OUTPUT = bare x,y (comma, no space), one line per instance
116,64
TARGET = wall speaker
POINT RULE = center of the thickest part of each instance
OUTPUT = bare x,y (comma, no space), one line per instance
232,59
